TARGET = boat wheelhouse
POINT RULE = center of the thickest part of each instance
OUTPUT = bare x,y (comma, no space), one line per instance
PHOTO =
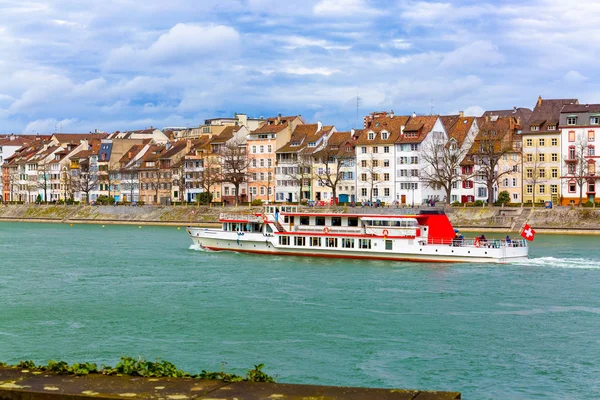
425,235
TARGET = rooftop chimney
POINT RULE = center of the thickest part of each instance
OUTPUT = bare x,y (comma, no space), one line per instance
514,109
414,114
461,114
392,114
319,126
539,102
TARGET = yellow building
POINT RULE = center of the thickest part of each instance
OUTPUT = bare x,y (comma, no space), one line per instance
542,158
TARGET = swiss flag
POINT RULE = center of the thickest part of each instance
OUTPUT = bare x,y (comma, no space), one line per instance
527,232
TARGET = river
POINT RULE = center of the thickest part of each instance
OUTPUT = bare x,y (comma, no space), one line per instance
514,331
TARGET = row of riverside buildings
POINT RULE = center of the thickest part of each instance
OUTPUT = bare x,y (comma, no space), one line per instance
540,155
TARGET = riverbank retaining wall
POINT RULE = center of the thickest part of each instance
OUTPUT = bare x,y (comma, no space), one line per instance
556,220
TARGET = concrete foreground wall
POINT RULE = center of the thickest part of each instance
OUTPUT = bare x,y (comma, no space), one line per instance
16,384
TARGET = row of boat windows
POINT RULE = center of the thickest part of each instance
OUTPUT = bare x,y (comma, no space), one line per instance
409,223
337,221
344,243
241,227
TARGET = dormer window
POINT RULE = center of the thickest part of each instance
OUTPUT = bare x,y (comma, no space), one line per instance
594,120
535,128
371,135
571,120
312,144
551,127
384,135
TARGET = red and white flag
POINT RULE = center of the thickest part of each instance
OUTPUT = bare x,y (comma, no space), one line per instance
527,232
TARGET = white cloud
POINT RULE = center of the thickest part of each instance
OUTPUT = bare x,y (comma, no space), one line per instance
309,71
474,54
295,42
49,125
182,42
474,111
575,77
345,8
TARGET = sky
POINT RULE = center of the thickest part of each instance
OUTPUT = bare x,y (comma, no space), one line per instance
76,66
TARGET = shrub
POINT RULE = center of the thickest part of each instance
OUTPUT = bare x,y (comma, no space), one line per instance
204,198
257,202
455,204
588,204
478,203
503,198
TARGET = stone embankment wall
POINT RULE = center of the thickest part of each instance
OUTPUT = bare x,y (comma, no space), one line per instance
559,219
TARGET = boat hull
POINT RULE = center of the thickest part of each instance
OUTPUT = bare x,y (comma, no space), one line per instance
411,250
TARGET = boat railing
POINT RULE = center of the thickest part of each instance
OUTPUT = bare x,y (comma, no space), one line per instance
476,242
332,229
240,217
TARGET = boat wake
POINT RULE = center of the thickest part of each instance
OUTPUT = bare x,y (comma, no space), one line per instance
553,262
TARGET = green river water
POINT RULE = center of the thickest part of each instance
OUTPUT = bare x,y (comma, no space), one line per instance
515,331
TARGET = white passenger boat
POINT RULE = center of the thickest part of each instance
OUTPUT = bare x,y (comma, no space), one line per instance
425,235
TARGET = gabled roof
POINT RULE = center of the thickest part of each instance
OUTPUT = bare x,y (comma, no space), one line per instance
131,153
417,128
302,135
524,114
176,147
457,127
270,129
546,112
226,135
77,137
581,108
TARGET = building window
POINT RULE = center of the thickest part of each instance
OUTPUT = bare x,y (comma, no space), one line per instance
386,149
591,150
529,142
371,135
515,182
363,177
542,189
529,172
571,120
571,136
535,128
529,157
554,142
386,177
529,189
384,135
554,189
363,150
554,172
363,192
542,173
591,136
572,187
515,196
591,187
386,163
481,192
375,192
554,157
386,192
571,152
542,157
541,142
375,149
